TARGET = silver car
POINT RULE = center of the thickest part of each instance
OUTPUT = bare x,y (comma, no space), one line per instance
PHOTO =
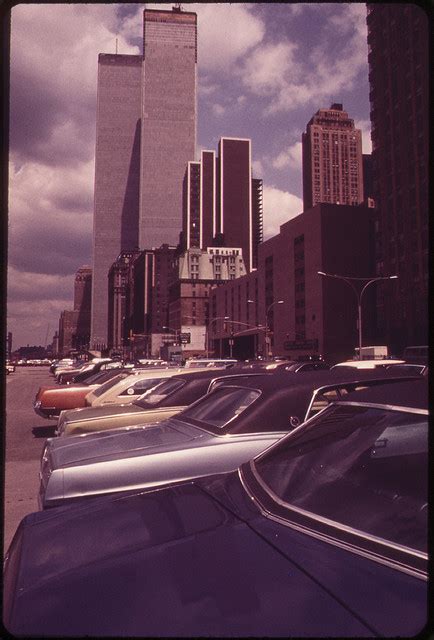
215,434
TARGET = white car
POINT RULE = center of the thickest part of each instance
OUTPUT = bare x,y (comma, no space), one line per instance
129,388
368,364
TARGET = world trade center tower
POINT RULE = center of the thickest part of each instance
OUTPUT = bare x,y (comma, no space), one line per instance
145,136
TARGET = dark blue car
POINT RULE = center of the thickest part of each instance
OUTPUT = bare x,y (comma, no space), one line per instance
324,534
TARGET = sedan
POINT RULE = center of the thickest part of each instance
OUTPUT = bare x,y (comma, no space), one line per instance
51,400
322,535
218,432
168,398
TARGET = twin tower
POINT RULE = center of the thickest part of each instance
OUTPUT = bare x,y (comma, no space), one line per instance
147,187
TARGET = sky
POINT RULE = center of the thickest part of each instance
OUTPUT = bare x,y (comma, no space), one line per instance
264,69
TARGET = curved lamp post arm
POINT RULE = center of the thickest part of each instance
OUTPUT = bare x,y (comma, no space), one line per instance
350,280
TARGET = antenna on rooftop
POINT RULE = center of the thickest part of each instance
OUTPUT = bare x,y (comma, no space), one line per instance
116,46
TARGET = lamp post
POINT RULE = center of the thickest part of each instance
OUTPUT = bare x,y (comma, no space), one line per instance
208,331
267,329
249,326
350,281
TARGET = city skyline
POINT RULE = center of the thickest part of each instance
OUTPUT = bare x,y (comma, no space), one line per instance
276,65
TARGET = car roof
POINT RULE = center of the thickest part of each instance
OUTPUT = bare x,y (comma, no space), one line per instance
196,384
412,394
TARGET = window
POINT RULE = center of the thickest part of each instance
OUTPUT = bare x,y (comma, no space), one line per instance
221,406
159,393
347,466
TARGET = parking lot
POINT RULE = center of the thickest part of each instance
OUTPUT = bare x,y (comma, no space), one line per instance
25,435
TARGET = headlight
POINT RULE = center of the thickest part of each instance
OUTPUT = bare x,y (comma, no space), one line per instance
37,404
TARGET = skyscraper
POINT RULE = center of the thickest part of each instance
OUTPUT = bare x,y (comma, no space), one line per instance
168,121
146,133
332,159
398,78
222,202
117,173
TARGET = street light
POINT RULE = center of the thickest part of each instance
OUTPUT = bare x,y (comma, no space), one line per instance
350,280
208,331
267,337
245,324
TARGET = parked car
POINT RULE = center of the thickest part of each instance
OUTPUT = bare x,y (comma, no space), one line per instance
51,400
229,425
128,388
10,367
85,371
409,368
200,363
417,354
169,397
322,535
367,364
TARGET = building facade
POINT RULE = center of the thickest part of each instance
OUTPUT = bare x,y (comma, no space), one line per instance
169,114
117,175
118,278
199,272
145,135
301,312
398,77
332,159
222,203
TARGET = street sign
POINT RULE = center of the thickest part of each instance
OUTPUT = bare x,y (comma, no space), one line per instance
298,345
185,338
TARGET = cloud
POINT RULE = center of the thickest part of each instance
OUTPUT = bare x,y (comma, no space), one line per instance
218,110
279,207
50,226
257,168
54,55
290,78
265,72
227,32
291,157
365,127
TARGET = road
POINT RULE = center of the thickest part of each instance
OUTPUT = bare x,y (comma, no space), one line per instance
24,440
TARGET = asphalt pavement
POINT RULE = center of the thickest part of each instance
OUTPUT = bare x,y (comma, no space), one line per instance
23,442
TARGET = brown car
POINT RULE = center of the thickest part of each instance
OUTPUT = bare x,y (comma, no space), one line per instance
50,401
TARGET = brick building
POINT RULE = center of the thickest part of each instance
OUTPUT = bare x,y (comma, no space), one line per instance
318,315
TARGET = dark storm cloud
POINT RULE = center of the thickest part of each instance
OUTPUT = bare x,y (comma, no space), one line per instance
46,250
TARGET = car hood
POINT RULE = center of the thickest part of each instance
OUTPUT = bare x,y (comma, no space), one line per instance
122,443
172,562
89,413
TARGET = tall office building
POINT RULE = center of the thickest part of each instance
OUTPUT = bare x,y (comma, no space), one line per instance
332,159
146,133
168,121
398,78
117,174
222,202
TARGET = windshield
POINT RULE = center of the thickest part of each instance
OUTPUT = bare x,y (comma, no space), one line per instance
109,384
154,396
363,467
221,406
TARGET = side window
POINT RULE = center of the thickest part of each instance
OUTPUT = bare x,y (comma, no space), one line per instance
140,387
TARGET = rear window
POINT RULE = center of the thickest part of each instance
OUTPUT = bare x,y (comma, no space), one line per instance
109,384
159,393
221,406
